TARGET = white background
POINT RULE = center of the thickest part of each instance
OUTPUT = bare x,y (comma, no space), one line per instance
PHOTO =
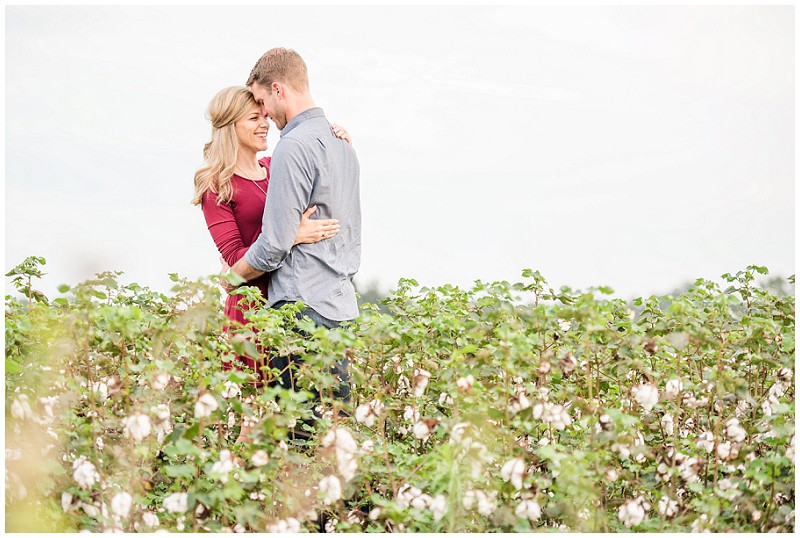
636,147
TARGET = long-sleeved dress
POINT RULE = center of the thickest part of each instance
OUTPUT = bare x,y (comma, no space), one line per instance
234,226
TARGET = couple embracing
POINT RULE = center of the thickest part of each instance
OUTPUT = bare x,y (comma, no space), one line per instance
289,224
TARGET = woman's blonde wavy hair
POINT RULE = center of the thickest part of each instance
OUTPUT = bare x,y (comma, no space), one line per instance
226,108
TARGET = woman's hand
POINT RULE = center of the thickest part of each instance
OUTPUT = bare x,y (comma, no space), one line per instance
224,269
313,230
340,132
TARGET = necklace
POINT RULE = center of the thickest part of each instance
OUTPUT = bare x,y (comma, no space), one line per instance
255,181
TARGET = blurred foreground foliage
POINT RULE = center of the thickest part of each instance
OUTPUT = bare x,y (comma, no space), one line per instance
507,407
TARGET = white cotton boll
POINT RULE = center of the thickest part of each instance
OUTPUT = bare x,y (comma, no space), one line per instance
767,406
347,466
20,408
667,507
464,384
421,430
160,381
150,520
457,433
285,526
555,415
647,395
48,404
403,384
411,414
230,390
702,523
224,466
406,494
725,484
438,506
90,510
162,424
705,441
689,469
445,399
375,513
421,501
632,512
696,403
538,410
735,431
639,441
100,390
487,503
724,450
342,439
368,447
421,378
518,403
568,364
529,509
177,503
367,413
513,471
85,473
673,388
259,458
121,504
331,489
364,414
623,450
137,426
66,501
292,525
470,499
205,405
790,449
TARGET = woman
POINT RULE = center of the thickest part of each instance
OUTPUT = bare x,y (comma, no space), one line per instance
232,188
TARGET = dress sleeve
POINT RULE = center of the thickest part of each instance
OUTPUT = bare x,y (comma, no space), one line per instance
223,228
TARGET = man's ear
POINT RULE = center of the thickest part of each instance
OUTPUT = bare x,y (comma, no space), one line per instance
277,88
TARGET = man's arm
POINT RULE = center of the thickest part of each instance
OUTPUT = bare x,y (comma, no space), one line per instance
245,270
288,196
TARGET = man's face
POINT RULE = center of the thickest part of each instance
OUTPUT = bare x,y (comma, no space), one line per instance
271,106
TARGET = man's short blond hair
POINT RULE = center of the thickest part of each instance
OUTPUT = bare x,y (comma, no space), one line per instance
281,65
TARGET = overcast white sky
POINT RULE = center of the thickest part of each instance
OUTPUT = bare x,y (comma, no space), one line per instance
634,147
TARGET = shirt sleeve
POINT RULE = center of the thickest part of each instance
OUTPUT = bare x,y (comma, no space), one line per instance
223,228
291,183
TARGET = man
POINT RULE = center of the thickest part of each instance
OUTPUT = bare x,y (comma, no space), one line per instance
310,166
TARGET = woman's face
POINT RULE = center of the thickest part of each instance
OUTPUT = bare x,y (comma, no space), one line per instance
252,129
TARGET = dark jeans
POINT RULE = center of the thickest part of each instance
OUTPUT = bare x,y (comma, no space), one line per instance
288,365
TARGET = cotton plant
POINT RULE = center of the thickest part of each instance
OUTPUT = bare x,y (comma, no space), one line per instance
472,410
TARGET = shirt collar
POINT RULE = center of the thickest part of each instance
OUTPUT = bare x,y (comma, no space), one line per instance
315,112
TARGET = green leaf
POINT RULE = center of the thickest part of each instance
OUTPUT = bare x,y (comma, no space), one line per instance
180,471
13,368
